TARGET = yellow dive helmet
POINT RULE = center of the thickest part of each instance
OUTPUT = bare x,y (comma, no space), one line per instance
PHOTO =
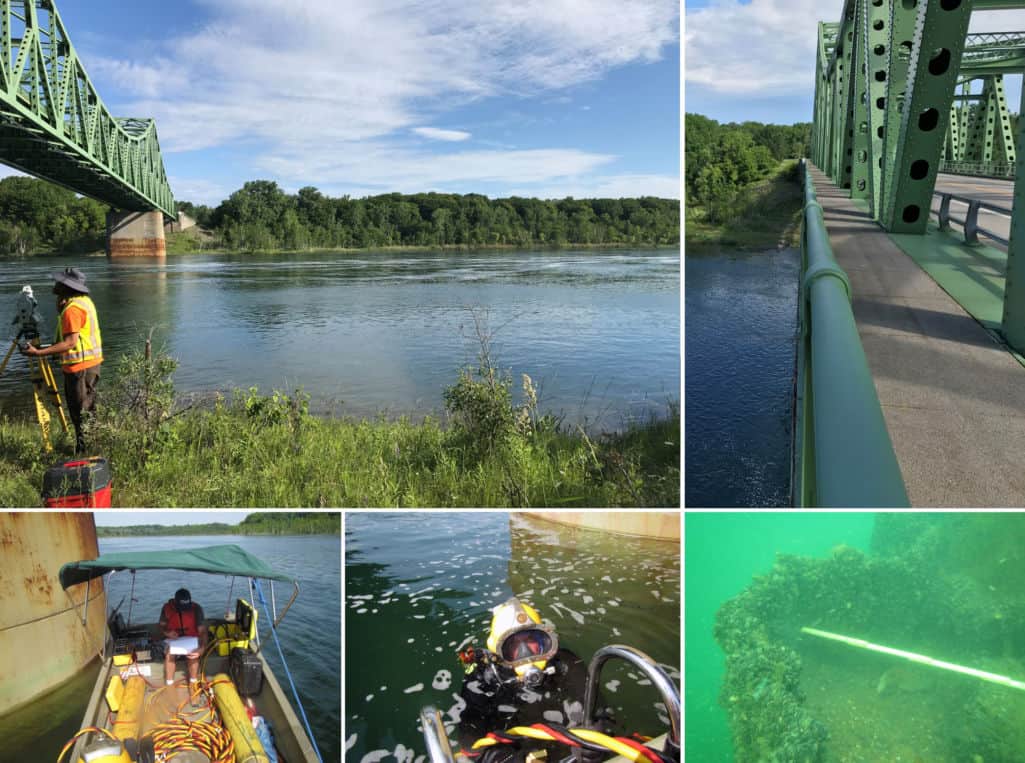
521,641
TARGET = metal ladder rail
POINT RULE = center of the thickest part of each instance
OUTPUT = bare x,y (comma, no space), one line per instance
658,677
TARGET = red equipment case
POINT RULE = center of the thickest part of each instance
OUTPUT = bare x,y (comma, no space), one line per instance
83,483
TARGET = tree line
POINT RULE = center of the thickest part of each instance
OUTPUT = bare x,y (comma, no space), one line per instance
260,215
269,523
39,217
722,159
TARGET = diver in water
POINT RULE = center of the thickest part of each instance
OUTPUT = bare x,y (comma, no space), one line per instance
523,677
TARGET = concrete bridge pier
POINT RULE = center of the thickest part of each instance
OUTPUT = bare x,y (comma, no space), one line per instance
135,234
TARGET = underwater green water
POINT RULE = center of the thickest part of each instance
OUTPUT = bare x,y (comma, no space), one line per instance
418,586
723,552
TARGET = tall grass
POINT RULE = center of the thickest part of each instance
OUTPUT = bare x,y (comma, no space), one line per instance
254,450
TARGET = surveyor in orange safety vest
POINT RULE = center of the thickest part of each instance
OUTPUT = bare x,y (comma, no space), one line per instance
79,345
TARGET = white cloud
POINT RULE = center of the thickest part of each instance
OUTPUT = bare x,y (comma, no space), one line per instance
436,133
607,187
301,75
768,47
765,47
380,165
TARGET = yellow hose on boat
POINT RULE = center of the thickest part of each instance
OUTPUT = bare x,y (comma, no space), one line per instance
248,748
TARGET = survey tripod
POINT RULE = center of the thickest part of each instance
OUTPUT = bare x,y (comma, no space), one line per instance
44,386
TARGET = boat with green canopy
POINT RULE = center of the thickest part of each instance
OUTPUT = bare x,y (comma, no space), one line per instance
233,710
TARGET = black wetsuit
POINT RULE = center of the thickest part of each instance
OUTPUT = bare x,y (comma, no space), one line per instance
496,700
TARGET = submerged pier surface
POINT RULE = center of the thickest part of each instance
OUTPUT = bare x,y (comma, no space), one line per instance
953,397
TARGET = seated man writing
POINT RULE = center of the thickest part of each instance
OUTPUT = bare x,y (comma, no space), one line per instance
182,618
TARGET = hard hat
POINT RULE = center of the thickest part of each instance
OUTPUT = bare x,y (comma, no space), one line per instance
520,639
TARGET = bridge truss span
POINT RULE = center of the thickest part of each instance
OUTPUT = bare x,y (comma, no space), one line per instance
54,125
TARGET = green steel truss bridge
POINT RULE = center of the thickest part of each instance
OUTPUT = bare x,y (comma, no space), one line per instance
54,125
912,356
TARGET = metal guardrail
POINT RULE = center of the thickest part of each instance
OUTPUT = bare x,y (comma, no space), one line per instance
979,169
843,455
970,222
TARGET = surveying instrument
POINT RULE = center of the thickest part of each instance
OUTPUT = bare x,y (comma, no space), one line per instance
27,320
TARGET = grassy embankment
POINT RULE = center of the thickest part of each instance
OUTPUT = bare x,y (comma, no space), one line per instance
255,450
762,215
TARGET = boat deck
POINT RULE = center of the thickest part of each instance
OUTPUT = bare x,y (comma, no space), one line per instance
162,702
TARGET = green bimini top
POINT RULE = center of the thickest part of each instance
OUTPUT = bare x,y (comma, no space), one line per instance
218,560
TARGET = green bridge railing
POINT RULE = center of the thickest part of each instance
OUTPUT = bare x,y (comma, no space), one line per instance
843,455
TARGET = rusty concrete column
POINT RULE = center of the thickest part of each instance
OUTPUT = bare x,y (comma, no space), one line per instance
43,639
135,234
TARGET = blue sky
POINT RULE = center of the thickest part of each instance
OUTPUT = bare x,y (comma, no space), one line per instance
755,59
543,98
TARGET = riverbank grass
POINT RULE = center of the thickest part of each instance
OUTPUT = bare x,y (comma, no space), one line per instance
763,215
256,450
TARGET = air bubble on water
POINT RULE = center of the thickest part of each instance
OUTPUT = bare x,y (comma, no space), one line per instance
410,640
361,611
413,689
612,685
350,742
375,755
369,697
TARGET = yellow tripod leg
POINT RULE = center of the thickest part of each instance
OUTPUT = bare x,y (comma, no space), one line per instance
54,390
41,413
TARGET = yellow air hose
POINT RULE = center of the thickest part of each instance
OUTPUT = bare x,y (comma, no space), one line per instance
589,735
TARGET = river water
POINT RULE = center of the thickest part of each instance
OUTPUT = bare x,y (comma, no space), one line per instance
362,333
309,635
741,318
420,585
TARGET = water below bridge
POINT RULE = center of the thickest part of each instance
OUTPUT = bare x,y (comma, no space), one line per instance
741,316
366,332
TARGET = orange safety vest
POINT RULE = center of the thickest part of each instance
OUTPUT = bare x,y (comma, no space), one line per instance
181,620
88,352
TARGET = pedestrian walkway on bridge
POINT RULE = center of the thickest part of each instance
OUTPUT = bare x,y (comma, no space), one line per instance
952,396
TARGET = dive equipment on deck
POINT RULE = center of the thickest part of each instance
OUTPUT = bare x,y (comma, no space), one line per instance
248,748
129,713
237,634
246,671
105,751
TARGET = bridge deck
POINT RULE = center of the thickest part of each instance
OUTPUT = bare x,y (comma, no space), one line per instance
953,399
